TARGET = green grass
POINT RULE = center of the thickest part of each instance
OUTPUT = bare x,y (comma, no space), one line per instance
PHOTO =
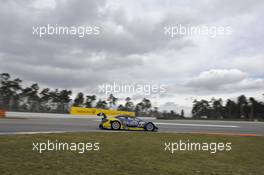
131,153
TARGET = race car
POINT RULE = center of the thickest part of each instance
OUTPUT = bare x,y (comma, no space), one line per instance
125,122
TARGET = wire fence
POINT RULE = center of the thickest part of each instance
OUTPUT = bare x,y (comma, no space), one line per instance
34,106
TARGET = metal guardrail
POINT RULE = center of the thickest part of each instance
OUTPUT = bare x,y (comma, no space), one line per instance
43,115
54,115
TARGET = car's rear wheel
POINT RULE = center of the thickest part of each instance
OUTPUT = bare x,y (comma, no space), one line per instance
115,125
149,127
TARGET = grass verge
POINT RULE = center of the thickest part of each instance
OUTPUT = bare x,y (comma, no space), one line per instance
131,153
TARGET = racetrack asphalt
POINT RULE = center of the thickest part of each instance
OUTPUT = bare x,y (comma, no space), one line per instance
55,125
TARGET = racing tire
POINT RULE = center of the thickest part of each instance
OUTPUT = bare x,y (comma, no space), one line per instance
149,127
115,125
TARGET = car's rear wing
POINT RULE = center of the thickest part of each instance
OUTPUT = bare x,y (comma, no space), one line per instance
102,114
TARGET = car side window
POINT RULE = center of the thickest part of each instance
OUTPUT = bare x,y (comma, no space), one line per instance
123,119
137,119
131,119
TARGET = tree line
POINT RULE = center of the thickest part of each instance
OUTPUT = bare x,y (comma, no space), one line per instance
241,108
15,97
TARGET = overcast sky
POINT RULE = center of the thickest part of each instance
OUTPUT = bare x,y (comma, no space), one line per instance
132,46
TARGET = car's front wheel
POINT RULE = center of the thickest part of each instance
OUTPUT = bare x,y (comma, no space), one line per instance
149,127
115,125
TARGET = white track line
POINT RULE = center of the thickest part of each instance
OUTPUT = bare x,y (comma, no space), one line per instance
182,124
38,132
56,132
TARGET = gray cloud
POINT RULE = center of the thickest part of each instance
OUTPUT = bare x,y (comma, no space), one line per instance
228,80
132,45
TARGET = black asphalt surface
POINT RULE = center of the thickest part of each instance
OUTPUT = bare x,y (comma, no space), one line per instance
16,125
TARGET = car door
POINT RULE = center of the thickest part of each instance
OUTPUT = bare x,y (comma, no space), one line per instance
132,122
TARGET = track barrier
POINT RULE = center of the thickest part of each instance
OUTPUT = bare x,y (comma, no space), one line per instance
2,113
95,111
